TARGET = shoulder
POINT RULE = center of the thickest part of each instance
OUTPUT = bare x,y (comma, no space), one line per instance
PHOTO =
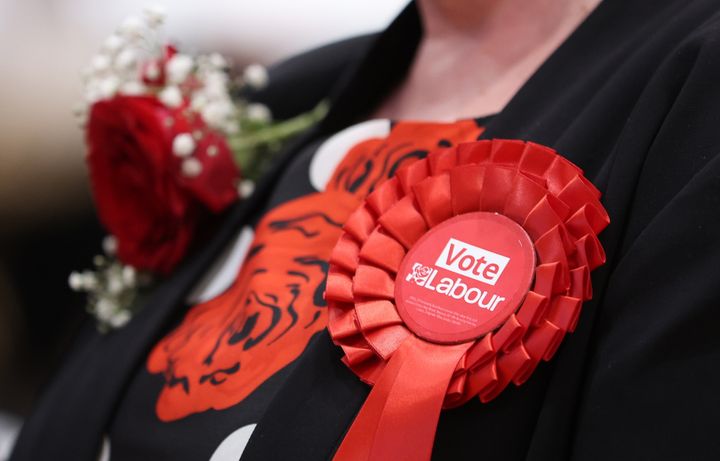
299,83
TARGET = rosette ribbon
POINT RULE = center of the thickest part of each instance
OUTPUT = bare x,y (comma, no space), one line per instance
413,378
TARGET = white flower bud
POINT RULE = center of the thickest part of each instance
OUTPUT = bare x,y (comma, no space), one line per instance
152,71
191,167
217,113
113,43
115,284
171,96
183,145
105,308
217,61
100,63
89,281
75,281
129,276
133,88
198,101
256,76
109,245
178,68
108,86
119,319
155,15
246,188
258,112
132,26
126,59
215,85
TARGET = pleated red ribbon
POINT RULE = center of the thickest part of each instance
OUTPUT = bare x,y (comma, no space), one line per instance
414,378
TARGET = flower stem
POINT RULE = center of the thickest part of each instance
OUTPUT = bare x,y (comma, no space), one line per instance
255,146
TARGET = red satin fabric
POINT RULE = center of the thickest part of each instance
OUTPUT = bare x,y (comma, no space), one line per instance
531,184
399,418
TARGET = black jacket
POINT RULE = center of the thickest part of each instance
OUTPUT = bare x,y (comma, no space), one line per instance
633,98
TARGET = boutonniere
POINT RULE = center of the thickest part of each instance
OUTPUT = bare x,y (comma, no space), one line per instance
171,144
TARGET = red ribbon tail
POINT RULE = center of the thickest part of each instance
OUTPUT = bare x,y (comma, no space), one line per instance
399,417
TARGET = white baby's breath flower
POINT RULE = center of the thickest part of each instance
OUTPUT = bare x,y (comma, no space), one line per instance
89,281
258,112
105,308
112,287
108,86
115,284
129,276
231,128
178,68
100,63
215,84
183,145
171,96
75,281
133,88
155,15
246,188
198,101
191,167
152,70
126,59
217,113
109,245
256,76
217,61
119,319
113,43
132,27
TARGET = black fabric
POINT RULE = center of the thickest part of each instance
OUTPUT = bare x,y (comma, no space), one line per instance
632,97
315,72
135,432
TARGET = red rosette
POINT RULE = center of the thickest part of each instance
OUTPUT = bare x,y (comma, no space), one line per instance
532,185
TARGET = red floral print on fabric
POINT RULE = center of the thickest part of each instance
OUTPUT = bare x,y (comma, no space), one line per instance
226,347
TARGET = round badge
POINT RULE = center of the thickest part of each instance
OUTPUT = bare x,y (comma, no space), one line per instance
464,277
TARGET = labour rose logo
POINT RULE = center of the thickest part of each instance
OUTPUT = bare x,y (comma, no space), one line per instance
419,274
425,351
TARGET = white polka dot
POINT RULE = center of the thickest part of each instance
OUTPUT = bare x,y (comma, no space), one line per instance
9,428
332,151
232,448
224,271
104,449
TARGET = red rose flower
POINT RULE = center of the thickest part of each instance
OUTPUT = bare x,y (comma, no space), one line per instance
141,194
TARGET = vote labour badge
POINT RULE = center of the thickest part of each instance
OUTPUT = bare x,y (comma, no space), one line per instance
455,279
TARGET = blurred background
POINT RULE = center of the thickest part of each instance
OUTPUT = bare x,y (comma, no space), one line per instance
47,223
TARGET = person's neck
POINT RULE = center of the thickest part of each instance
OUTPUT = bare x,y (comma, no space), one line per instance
475,55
